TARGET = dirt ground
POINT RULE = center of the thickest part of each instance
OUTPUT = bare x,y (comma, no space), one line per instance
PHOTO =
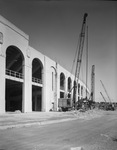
91,130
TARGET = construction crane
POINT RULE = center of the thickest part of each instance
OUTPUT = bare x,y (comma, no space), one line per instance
105,91
64,102
79,56
103,96
92,96
107,106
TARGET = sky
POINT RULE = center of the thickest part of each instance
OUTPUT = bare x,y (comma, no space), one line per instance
54,26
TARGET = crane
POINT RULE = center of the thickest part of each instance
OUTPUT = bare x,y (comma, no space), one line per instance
103,96
65,103
105,91
79,56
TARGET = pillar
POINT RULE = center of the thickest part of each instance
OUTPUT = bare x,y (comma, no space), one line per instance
44,86
27,89
55,94
2,76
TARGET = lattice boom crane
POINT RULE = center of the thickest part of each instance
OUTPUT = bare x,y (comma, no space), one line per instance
79,56
105,91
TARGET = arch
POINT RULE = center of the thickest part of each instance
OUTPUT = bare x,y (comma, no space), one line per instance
14,59
62,85
69,84
69,87
62,81
37,69
14,72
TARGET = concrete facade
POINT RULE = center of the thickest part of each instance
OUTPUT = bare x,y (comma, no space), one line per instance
29,80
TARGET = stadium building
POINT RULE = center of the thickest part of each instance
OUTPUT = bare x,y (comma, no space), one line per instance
29,80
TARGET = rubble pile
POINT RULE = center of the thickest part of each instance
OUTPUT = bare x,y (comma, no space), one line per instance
89,114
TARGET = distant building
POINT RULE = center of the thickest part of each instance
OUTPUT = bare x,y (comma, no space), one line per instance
29,80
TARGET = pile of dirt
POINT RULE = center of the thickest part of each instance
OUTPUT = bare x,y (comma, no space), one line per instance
89,114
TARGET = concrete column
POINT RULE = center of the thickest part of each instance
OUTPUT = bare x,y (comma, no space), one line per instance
27,89
55,94
44,86
2,80
58,83
2,84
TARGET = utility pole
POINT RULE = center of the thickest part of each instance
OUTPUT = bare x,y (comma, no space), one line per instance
93,83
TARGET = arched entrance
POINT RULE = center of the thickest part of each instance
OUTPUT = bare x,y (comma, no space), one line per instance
62,85
69,87
37,85
14,79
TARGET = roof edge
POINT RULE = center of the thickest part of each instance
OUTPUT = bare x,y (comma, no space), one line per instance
13,27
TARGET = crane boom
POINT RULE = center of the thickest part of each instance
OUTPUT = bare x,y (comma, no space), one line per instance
81,44
103,96
79,56
105,91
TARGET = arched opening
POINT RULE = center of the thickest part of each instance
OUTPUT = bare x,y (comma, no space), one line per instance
62,81
36,85
69,87
79,89
62,85
14,78
82,91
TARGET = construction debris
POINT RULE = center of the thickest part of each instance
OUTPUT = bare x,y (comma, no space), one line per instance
87,115
76,148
